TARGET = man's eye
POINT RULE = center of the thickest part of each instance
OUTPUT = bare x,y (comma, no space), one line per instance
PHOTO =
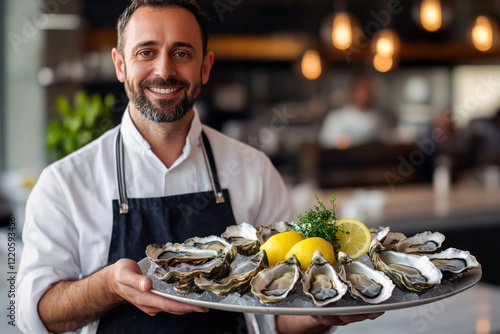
181,54
146,53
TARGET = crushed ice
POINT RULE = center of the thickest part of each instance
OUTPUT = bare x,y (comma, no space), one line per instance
298,299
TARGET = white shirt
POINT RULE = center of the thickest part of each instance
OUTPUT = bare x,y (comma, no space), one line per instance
69,214
352,124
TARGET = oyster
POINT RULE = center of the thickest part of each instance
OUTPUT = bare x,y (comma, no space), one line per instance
321,283
453,260
182,276
238,279
265,232
426,242
387,238
174,254
379,232
244,236
392,238
211,242
274,284
364,283
408,271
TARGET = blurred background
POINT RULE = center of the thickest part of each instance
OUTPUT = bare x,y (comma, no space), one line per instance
391,105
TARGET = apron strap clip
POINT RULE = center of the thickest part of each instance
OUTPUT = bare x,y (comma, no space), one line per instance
123,208
220,198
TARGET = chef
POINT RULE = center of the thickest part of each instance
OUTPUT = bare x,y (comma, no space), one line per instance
160,176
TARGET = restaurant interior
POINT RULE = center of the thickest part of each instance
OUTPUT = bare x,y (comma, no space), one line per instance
391,105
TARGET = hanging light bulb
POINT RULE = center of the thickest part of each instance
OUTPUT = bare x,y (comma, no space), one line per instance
482,33
386,43
342,31
431,15
311,64
385,48
383,63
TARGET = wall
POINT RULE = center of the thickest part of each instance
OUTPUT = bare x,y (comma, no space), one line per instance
24,113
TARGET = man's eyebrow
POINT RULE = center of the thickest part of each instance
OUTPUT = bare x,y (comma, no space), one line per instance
146,43
184,44
153,43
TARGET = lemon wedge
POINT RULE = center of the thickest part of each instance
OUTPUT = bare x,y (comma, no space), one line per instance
354,237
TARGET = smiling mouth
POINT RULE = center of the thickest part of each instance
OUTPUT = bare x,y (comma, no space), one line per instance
164,90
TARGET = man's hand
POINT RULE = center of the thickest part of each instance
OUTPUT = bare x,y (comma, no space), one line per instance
342,320
68,305
128,283
317,324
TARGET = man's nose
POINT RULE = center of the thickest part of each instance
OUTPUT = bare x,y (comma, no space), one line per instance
164,67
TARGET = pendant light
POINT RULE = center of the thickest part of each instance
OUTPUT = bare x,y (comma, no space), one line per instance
342,33
340,28
311,64
432,15
484,33
385,47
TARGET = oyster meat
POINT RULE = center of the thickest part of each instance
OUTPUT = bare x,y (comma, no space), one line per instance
426,242
321,282
265,232
408,271
244,236
364,283
172,254
238,279
182,276
453,260
274,284
211,242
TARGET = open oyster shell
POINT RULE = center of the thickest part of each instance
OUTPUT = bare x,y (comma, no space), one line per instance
408,271
244,236
387,238
364,283
426,242
274,284
453,260
172,254
211,242
265,232
182,276
321,282
238,279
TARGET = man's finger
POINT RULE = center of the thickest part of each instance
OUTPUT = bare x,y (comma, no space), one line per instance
162,304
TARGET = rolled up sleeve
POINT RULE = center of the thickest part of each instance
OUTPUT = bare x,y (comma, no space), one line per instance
50,249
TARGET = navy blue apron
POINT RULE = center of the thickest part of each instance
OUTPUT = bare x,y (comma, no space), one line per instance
138,222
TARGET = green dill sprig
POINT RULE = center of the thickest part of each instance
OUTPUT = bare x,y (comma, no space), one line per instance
318,223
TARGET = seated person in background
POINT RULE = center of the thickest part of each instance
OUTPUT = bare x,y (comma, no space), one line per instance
355,123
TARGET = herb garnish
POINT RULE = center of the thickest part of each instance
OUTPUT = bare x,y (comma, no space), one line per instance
318,223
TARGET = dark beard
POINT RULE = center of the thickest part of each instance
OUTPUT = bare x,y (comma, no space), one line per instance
168,110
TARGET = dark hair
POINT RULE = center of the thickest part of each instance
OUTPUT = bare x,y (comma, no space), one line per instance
190,5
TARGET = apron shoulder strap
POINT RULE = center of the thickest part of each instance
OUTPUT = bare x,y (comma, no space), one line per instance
207,154
212,169
120,174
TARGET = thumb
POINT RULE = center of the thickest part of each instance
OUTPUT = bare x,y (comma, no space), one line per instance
130,274
144,283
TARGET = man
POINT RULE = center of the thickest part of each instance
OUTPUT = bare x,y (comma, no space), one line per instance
355,123
161,176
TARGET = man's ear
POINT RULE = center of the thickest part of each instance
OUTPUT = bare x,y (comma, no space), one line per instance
119,64
208,61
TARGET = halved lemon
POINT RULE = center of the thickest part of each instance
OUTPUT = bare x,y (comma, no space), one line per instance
354,237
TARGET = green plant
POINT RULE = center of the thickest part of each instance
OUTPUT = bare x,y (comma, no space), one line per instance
78,125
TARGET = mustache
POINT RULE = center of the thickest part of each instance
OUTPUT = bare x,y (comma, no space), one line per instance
164,83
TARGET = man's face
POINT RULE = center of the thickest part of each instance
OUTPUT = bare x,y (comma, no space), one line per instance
163,66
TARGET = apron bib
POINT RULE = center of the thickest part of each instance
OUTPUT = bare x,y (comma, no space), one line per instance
138,222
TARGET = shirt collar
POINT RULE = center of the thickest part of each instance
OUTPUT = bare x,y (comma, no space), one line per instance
132,138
